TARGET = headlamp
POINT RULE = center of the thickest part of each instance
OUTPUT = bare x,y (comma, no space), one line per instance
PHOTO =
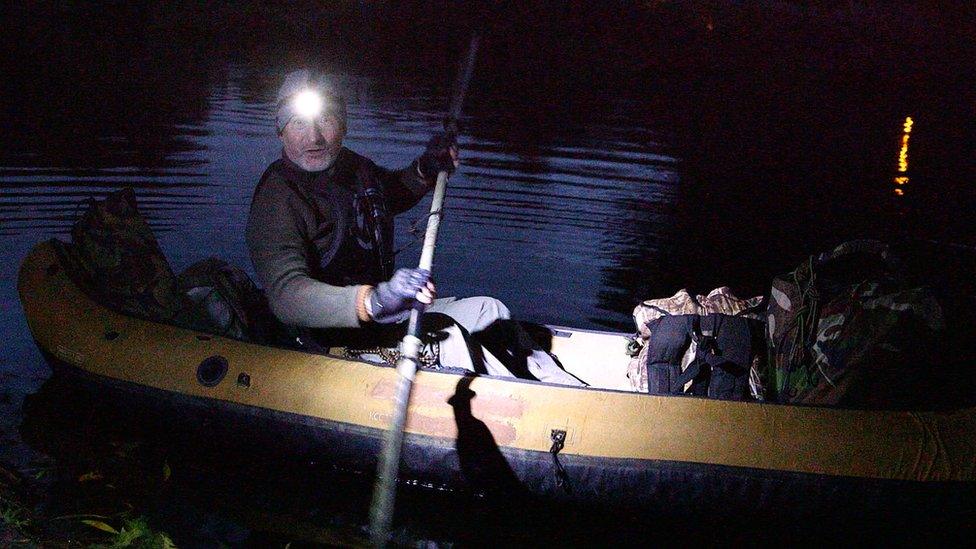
309,98
307,104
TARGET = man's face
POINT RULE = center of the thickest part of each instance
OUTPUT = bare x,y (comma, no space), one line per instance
313,144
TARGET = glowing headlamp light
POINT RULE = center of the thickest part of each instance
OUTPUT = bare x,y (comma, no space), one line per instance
308,104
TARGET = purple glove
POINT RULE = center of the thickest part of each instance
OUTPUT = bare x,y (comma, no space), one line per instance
438,156
391,301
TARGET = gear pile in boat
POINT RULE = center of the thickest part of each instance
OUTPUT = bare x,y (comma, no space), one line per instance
116,258
845,328
695,345
848,328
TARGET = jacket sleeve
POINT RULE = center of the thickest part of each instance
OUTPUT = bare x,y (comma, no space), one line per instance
279,250
404,187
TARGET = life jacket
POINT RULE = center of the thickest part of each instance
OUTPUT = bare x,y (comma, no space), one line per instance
722,348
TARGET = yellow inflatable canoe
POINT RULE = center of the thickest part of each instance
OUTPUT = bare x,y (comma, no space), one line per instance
486,433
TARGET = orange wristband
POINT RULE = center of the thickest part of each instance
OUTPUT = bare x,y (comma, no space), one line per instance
361,296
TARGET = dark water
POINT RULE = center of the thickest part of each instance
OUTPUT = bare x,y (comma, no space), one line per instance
608,156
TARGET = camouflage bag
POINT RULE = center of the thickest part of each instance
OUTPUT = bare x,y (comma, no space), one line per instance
116,258
845,328
115,255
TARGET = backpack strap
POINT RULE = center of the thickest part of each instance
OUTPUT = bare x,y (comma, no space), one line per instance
704,353
708,343
658,309
689,374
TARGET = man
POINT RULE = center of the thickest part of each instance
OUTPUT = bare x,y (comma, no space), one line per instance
320,235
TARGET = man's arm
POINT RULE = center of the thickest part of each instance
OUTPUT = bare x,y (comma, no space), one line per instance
279,250
405,187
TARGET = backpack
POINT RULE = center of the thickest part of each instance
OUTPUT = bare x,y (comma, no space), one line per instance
719,301
703,355
228,303
115,257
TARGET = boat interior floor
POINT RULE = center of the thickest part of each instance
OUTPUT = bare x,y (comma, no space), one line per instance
598,358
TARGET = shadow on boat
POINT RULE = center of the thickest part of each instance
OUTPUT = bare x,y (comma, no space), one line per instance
482,463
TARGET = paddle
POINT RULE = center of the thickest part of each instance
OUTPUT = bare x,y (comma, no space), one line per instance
384,491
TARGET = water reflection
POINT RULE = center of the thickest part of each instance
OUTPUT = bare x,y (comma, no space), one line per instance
903,156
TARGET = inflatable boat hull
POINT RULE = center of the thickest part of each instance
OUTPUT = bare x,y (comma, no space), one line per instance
496,435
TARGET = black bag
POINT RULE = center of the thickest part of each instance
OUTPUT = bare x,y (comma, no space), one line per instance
227,303
670,338
724,349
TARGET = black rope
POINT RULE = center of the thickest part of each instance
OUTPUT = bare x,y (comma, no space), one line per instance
415,231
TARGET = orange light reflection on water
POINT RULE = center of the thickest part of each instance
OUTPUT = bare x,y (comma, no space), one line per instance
903,155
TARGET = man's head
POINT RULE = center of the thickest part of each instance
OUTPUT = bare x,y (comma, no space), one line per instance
311,120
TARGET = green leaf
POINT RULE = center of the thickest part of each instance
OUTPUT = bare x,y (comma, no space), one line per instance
166,471
101,526
126,537
164,541
133,530
12,516
89,515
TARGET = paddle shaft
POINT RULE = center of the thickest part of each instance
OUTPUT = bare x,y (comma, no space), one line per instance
461,85
384,491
